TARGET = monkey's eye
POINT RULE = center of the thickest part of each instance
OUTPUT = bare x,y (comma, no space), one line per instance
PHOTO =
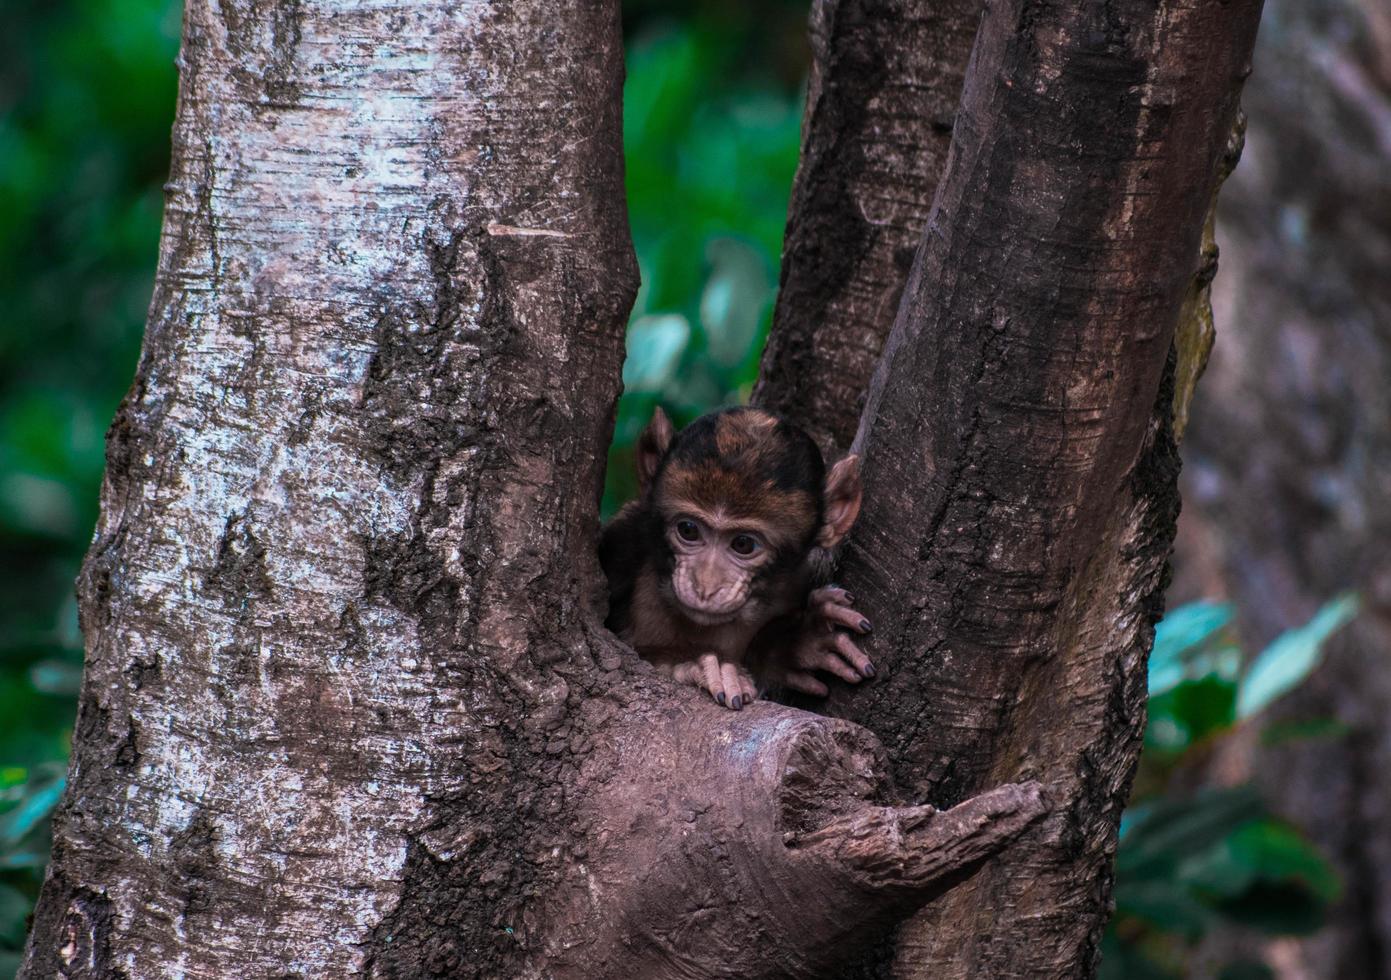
687,530
743,544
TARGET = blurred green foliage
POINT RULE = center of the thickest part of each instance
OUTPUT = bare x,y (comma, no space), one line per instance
711,136
713,102
86,98
1194,860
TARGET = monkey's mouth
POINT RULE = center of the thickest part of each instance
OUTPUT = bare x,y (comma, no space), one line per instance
704,612
702,617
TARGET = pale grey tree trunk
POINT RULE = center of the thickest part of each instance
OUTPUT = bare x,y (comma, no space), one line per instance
356,467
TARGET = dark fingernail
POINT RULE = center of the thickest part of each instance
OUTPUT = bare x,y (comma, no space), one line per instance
736,703
850,598
869,670
865,627
720,697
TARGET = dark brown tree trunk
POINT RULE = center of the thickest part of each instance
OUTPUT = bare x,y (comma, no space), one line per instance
1288,484
1021,465
885,83
348,707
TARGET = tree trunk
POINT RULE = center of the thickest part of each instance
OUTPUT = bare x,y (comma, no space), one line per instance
348,707
333,511
1020,460
1290,446
885,82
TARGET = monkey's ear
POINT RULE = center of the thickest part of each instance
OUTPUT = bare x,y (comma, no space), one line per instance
652,446
843,495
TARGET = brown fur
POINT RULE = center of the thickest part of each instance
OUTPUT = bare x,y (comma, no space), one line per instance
694,599
739,479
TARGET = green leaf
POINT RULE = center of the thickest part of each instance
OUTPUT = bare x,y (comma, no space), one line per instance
1190,625
1165,905
733,299
1276,850
32,810
37,504
1277,908
1172,829
1135,814
56,677
1266,875
1216,872
1181,633
1190,712
1280,667
22,860
655,346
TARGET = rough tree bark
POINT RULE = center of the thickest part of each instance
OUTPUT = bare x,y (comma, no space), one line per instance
1289,454
348,707
885,82
1020,472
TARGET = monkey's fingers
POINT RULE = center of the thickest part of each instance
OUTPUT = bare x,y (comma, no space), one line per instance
687,672
837,615
854,655
733,694
711,678
799,680
822,654
748,686
830,593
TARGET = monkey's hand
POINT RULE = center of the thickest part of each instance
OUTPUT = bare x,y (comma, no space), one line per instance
819,643
729,683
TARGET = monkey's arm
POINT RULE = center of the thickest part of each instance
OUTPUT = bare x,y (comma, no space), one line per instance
795,648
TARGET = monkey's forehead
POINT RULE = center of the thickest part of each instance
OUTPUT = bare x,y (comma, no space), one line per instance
739,494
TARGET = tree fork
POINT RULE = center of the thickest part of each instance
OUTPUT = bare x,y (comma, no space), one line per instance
348,708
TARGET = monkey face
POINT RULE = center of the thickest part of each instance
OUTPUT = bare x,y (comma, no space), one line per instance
716,561
737,497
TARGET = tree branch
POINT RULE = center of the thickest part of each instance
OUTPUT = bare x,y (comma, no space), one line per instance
885,82
920,847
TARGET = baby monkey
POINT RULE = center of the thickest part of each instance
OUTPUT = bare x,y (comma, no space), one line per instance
718,571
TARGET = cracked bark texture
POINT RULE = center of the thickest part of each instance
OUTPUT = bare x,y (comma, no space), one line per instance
348,708
334,595
1289,451
885,82
1020,457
